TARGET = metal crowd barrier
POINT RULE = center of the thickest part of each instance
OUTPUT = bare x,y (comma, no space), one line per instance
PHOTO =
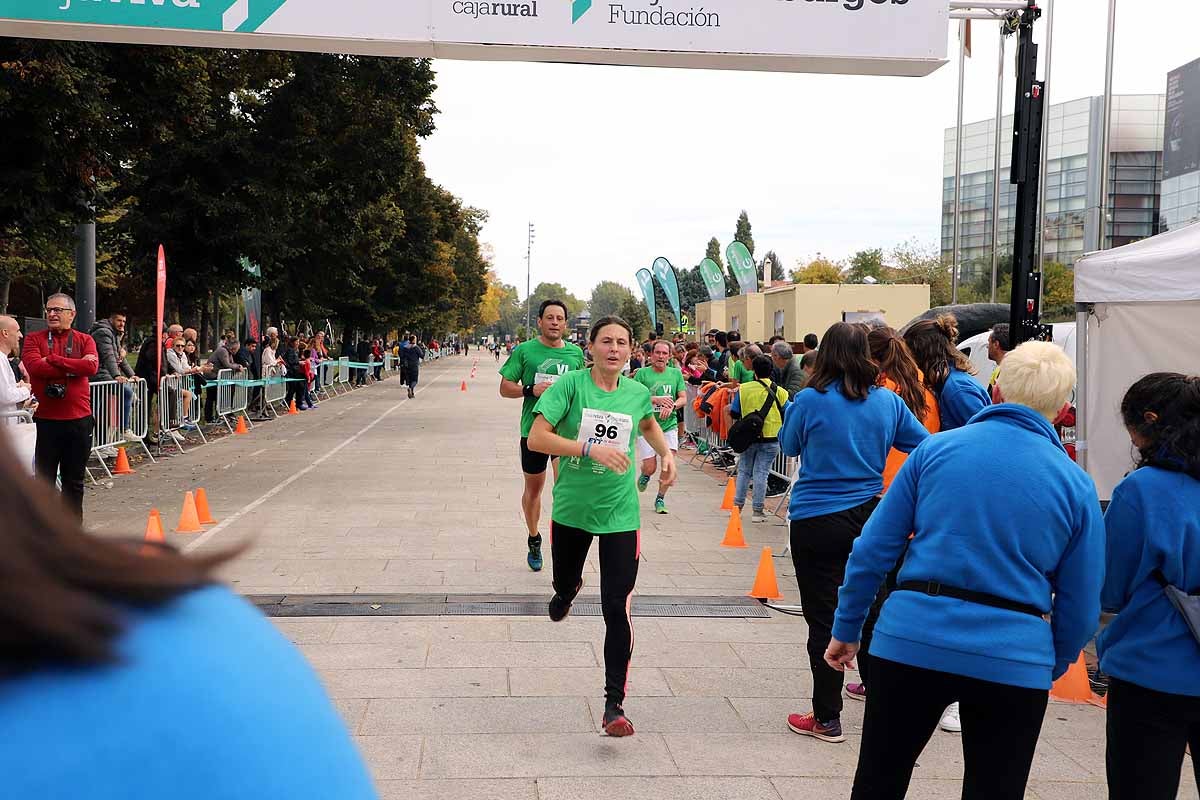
328,372
274,388
343,374
107,399
171,416
233,397
693,425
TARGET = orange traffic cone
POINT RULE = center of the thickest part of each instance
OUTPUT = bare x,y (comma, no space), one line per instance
122,467
727,503
1074,687
733,531
154,528
154,535
189,520
766,585
292,408
463,388
241,429
202,511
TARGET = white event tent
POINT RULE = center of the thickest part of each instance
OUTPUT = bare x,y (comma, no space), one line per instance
1140,308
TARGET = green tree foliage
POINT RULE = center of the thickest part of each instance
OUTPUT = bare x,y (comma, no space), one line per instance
607,297
691,290
308,164
866,264
742,232
914,261
555,291
633,311
713,250
819,270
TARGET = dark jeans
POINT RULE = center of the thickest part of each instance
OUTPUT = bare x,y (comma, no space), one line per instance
820,548
1000,727
619,554
1147,733
63,446
296,392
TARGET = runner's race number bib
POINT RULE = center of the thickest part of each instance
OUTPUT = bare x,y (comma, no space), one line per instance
605,428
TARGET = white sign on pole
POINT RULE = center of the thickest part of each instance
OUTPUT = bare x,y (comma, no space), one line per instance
878,37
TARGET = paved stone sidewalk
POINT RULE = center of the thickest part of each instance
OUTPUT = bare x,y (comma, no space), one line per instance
424,501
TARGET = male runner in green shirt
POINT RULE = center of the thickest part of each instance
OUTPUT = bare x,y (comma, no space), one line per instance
530,370
668,393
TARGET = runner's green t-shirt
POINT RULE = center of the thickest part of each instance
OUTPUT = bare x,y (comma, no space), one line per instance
588,495
532,363
738,372
668,383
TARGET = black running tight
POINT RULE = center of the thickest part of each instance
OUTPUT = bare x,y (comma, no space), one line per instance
619,554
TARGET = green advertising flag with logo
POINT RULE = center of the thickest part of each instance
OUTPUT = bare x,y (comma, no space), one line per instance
665,273
646,281
714,279
742,265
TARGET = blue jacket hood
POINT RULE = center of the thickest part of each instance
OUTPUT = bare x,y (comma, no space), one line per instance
1022,416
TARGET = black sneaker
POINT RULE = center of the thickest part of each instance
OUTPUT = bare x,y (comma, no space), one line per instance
534,559
615,721
560,606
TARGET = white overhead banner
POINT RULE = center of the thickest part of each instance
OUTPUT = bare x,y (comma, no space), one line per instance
875,37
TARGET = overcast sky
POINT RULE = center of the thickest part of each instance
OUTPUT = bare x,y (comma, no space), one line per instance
618,165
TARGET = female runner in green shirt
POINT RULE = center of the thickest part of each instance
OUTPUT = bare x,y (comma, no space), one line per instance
589,419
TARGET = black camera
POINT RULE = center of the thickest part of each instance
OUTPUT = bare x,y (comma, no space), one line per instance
56,391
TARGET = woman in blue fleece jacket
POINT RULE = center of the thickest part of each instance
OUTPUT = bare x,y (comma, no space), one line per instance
842,426
966,622
128,675
1151,657
947,371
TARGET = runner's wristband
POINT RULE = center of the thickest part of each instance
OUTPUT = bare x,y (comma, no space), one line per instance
587,448
527,391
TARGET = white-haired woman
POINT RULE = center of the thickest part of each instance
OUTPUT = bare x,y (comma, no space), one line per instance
967,620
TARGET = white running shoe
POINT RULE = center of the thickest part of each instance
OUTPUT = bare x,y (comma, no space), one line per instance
130,436
950,721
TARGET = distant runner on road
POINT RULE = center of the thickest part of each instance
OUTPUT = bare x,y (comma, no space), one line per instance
588,418
529,371
668,394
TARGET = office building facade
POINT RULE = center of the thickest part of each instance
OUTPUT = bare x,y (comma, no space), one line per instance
1073,130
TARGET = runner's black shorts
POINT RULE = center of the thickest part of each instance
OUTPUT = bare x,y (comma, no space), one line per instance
532,462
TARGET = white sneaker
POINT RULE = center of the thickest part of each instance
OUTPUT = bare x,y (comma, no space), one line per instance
107,452
130,436
950,721
758,516
177,437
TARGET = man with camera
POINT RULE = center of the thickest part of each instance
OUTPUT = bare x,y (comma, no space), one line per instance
59,362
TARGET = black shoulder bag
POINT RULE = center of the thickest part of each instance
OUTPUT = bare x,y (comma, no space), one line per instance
748,430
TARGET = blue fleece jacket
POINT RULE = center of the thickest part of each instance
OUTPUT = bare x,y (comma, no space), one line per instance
843,446
207,701
960,399
1036,534
1153,522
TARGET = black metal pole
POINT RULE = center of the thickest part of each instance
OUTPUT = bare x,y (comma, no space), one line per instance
1025,308
85,275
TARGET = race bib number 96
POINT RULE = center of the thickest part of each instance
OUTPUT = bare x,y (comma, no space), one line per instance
606,428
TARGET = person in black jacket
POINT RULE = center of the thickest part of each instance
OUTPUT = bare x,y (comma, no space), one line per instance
411,355
108,334
362,355
296,385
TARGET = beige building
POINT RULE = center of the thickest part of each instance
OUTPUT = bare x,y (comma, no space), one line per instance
794,310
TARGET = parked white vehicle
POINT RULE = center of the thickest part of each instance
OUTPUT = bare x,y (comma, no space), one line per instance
976,350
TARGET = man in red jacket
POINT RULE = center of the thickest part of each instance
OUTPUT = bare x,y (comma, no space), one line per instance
59,362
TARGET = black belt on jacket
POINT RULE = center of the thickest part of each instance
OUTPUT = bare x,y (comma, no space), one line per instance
935,589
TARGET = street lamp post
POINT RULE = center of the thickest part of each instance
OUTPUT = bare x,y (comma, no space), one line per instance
528,290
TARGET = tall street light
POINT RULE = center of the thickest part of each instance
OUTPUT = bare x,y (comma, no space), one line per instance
528,290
